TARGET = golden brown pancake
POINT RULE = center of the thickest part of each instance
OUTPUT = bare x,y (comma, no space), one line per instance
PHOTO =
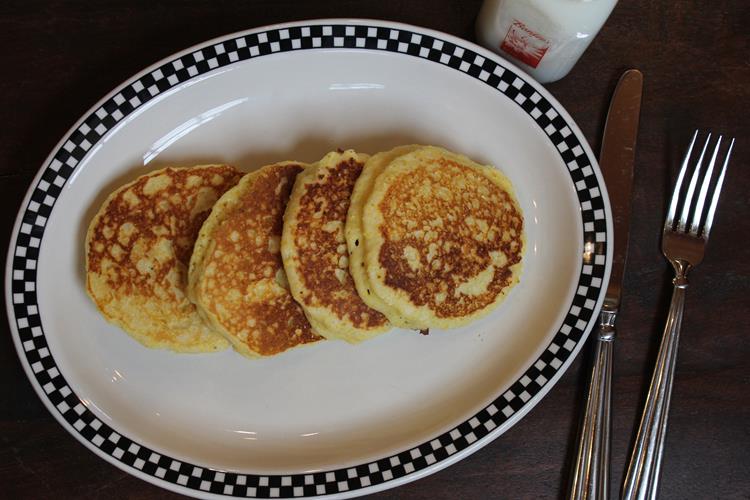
314,250
443,238
236,275
374,166
138,248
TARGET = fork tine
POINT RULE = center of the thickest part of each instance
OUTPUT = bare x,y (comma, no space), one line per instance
695,224
682,223
717,192
669,222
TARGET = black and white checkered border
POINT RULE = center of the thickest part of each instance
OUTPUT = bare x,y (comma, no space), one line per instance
248,46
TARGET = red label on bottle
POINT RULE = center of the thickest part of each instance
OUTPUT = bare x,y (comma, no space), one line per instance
525,45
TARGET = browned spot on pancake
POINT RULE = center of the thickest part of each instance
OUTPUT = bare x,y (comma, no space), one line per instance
443,223
276,328
323,258
244,262
167,214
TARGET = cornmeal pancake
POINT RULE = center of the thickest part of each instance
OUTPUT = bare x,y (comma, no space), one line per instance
236,275
443,238
138,248
313,249
353,230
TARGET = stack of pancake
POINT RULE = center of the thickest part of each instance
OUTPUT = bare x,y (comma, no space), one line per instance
196,259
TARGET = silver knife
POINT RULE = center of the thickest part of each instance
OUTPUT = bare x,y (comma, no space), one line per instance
591,471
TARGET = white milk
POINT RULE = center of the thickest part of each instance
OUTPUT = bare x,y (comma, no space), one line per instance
544,37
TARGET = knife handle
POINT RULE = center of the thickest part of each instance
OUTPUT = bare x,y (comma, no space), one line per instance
591,471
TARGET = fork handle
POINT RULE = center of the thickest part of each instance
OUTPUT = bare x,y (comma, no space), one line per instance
642,478
591,470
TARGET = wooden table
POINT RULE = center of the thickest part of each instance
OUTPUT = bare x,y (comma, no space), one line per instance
60,57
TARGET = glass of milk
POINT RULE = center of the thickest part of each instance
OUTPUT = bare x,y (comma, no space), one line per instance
543,37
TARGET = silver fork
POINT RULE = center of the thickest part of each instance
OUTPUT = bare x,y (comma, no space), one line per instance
683,243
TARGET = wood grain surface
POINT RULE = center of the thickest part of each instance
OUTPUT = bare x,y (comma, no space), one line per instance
60,57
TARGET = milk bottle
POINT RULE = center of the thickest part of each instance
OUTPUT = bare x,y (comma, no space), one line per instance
544,37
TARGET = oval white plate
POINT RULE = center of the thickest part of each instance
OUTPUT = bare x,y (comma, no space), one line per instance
331,418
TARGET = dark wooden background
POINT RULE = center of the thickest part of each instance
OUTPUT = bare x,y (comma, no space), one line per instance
58,58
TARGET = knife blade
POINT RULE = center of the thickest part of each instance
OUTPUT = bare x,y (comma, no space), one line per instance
616,160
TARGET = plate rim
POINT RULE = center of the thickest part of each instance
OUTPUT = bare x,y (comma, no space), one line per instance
333,477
